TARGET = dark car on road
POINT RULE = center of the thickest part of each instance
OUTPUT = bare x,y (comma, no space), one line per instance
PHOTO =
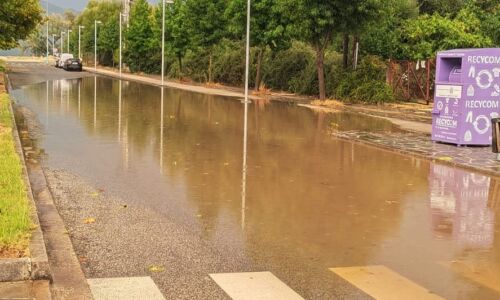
73,64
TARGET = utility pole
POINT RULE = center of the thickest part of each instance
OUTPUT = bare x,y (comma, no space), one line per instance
47,12
163,41
67,37
80,27
95,43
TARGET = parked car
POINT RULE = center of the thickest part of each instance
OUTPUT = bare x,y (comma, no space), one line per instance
63,58
73,64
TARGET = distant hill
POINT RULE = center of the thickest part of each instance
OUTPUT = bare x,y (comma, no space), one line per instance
54,9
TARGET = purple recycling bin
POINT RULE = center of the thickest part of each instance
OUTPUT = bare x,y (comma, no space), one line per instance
467,96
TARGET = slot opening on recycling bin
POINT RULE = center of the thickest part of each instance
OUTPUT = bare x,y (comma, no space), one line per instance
451,70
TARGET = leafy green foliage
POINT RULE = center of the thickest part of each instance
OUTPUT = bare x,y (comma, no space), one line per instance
424,36
18,18
107,12
366,84
139,42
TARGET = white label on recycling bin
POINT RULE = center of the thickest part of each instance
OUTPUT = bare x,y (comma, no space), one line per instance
449,91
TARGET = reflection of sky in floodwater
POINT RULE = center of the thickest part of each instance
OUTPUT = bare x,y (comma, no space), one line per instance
311,201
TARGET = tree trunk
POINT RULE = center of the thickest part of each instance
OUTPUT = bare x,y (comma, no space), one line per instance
179,57
210,67
345,49
258,71
320,65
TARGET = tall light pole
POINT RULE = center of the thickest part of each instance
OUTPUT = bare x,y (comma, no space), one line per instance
53,43
80,27
95,43
67,37
62,41
164,2
122,15
245,124
47,12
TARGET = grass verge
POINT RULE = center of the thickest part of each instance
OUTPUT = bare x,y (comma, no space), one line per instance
15,220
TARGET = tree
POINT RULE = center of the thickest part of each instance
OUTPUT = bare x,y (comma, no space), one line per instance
442,7
177,32
316,22
267,28
18,18
423,37
357,19
382,39
107,12
206,25
109,41
140,42
37,40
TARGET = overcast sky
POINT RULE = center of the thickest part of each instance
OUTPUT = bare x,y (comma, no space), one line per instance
78,5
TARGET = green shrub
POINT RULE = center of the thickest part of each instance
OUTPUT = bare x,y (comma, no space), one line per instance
366,84
229,63
285,69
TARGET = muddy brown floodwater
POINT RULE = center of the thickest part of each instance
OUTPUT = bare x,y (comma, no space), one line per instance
307,203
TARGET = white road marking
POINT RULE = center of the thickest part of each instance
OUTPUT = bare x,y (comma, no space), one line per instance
481,273
383,283
126,288
254,286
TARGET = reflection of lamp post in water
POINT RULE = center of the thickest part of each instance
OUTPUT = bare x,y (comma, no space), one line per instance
95,101
119,111
245,123
79,97
47,105
161,130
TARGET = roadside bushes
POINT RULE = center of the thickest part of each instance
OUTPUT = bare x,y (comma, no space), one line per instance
292,70
366,84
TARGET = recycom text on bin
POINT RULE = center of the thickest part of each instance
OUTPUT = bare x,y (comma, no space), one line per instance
475,59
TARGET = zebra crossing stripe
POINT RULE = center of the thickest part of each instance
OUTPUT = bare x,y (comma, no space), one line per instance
254,286
381,282
126,288
479,273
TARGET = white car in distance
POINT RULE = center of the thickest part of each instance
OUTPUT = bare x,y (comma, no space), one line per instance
64,57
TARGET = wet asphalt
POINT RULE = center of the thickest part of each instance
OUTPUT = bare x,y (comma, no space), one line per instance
312,203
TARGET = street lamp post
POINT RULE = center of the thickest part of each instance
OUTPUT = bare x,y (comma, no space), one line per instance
95,43
67,37
80,27
245,124
47,12
164,2
122,15
62,41
53,44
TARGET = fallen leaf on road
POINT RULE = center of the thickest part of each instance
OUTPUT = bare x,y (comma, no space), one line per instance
89,221
156,269
94,194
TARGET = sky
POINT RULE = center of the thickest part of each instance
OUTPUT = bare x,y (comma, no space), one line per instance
77,5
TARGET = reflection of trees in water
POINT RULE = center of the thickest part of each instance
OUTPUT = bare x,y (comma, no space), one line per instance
301,183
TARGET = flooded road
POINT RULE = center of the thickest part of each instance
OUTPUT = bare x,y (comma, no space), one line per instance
308,208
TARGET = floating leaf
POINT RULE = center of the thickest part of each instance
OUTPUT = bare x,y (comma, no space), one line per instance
89,221
445,158
95,194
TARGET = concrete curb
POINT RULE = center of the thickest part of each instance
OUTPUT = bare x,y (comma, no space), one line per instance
36,267
66,275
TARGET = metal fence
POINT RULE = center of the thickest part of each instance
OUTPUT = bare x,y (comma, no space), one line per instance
412,80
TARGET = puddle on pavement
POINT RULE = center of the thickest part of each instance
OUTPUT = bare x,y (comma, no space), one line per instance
307,201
